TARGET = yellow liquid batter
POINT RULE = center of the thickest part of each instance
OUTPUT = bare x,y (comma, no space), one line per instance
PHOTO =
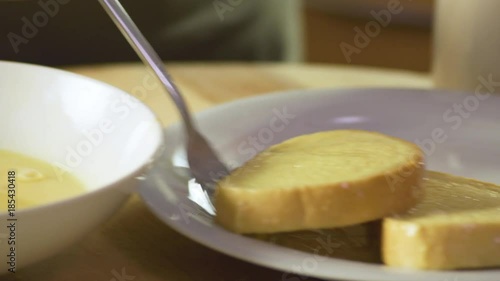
36,182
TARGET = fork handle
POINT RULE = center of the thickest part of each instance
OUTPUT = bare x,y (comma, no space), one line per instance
148,55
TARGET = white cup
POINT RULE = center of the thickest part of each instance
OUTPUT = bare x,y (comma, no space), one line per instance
467,45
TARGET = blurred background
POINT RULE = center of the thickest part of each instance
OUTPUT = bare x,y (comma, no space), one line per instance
357,32
404,43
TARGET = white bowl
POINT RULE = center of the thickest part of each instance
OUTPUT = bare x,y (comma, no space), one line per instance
99,133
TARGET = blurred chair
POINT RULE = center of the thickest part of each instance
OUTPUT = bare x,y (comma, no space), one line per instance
404,43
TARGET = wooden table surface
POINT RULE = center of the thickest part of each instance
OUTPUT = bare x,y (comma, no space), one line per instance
134,244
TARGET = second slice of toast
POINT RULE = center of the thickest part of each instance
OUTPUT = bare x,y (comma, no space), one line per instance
456,226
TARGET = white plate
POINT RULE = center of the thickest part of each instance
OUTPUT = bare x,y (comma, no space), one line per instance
238,129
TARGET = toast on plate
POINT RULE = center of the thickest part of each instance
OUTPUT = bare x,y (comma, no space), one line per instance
456,226
321,180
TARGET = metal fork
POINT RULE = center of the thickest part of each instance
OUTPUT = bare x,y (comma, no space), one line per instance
204,163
